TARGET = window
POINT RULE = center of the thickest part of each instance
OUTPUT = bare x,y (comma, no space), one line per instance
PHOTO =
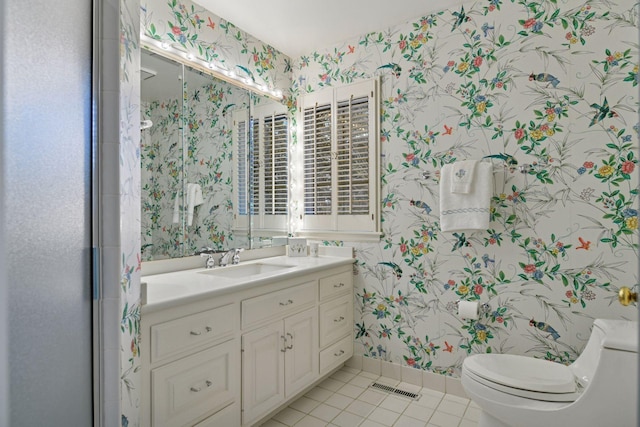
340,150
262,165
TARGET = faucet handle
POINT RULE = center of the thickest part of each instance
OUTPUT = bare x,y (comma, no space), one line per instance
236,256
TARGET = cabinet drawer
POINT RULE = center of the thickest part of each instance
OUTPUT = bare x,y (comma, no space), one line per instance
229,416
276,304
335,285
190,332
334,355
188,388
336,319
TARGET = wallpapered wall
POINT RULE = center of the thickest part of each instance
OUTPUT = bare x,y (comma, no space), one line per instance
208,156
553,83
547,82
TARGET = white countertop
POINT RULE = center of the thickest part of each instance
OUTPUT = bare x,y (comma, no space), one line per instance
175,288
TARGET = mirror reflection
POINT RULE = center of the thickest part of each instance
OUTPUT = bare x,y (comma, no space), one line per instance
208,153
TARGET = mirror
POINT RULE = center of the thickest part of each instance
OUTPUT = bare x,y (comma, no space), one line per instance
202,178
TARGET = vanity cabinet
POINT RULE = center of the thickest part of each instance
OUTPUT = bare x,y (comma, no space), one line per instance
236,357
336,320
278,360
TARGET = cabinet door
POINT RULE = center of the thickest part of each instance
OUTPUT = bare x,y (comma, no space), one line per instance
301,357
262,370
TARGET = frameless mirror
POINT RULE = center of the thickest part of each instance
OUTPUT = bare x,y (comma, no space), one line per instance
208,153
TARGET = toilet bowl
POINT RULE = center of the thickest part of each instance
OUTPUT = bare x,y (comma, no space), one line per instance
599,389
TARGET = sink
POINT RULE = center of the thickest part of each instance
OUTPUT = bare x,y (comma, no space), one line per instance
244,270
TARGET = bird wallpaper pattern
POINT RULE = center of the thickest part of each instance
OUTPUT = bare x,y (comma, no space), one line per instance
207,160
549,85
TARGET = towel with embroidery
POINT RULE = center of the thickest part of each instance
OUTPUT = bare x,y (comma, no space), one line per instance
465,212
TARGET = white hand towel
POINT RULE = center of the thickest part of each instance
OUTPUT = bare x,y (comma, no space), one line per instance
194,198
466,212
463,175
176,209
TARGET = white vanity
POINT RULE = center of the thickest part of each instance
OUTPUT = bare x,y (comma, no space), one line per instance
228,346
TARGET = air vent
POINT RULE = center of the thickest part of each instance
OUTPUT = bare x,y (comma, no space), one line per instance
397,391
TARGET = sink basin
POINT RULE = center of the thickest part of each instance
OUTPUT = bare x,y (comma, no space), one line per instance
244,270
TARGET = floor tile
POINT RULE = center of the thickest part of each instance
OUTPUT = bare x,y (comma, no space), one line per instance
457,399
405,421
372,396
273,423
319,394
361,408
384,416
347,419
351,390
395,404
414,410
310,421
343,376
468,423
361,381
339,401
442,419
371,423
452,408
325,412
371,375
289,416
304,404
331,384
472,414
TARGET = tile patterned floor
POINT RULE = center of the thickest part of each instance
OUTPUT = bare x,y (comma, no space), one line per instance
345,400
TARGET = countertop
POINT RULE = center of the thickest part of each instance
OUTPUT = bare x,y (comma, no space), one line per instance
179,287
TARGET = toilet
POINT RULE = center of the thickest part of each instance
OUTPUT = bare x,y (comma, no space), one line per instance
599,389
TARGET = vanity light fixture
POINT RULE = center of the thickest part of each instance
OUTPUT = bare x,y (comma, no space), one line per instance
179,54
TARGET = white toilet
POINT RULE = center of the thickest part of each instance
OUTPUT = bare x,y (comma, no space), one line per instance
599,389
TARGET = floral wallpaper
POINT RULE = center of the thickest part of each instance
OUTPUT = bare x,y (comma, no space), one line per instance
548,84
545,83
129,221
207,160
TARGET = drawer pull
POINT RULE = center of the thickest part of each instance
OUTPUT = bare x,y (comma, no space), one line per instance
284,341
289,301
339,285
339,319
207,329
197,389
340,353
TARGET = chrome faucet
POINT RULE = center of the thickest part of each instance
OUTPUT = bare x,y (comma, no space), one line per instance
234,254
208,253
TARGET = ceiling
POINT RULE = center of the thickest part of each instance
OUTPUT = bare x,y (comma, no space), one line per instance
297,27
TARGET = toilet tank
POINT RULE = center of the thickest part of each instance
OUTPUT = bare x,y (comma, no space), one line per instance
616,335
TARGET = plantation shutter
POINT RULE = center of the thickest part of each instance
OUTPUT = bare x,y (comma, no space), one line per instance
271,168
340,148
240,140
317,160
254,163
353,156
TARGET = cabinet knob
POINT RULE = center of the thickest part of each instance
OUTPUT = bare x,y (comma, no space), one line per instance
196,333
195,389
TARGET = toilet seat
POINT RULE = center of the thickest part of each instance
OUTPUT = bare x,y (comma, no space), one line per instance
524,376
